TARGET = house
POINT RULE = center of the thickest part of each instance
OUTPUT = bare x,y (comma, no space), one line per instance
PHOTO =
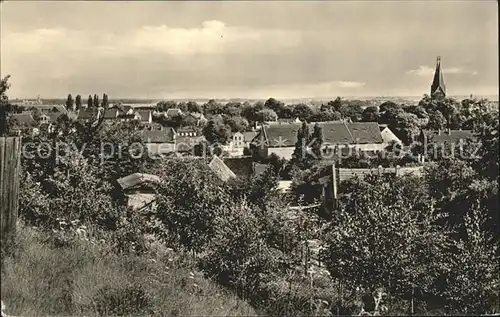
171,113
89,115
24,122
138,190
283,120
241,166
221,169
144,116
388,136
186,138
281,138
51,108
111,114
194,119
159,141
243,139
441,136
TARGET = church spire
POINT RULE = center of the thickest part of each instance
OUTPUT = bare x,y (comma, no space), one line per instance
438,89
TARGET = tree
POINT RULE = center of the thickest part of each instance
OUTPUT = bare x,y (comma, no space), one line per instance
96,101
302,111
70,103
212,107
193,106
384,236
388,105
78,102
370,114
90,103
4,105
275,105
232,109
352,110
266,115
324,116
436,121
317,141
301,156
333,105
105,102
236,123
216,132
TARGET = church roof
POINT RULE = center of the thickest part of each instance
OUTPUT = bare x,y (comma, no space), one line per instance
438,85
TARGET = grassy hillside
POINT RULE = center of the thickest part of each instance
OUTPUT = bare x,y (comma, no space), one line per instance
41,277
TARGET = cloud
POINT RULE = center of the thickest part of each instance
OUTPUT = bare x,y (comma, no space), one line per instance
349,84
425,71
211,37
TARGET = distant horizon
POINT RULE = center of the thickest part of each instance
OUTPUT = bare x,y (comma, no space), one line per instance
492,97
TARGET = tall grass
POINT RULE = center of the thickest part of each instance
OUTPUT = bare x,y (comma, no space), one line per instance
85,279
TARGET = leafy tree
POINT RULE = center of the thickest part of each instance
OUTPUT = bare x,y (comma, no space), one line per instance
190,200
370,114
266,115
213,107
165,105
105,102
96,101
4,105
393,243
232,109
417,110
317,141
78,102
333,105
70,102
90,103
193,106
351,110
301,156
275,105
236,123
436,121
302,111
389,105
216,132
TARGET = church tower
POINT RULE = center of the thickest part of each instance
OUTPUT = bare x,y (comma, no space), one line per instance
438,89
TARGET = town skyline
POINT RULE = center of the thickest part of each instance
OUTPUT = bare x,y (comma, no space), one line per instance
188,50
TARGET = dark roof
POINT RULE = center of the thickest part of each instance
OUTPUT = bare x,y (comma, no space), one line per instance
185,143
365,132
144,114
220,169
87,114
337,132
52,108
241,166
137,179
248,136
111,113
53,116
23,118
448,135
157,136
259,168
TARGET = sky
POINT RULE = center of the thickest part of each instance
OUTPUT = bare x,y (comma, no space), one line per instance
247,49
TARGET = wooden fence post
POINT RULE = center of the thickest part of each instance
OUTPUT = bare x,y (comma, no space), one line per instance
334,186
10,165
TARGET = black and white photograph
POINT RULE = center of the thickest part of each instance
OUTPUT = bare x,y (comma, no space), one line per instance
249,158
